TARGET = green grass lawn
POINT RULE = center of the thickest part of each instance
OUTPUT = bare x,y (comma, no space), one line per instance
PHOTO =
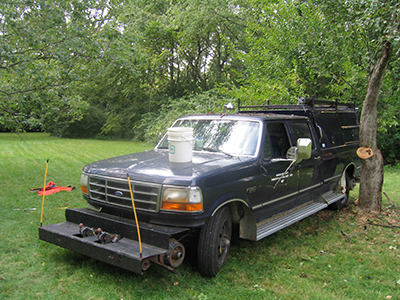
312,259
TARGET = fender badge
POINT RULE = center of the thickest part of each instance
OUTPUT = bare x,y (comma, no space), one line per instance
251,190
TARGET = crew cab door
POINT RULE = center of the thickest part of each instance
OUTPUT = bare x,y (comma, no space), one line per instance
280,183
309,170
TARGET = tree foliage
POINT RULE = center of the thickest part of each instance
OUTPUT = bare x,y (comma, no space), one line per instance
45,48
88,68
325,49
103,65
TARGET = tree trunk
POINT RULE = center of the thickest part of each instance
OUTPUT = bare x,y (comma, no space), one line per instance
372,168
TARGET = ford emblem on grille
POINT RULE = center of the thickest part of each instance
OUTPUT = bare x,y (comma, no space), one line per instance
118,193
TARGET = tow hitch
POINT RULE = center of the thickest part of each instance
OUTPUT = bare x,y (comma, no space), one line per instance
102,236
114,240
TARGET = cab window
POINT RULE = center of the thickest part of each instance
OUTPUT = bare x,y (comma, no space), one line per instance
302,130
276,142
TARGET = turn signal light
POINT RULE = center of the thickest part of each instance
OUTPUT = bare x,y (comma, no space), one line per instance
182,206
84,190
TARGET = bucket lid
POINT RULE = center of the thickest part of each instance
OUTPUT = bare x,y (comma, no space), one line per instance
180,129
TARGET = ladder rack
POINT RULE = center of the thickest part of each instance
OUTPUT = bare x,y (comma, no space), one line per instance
304,104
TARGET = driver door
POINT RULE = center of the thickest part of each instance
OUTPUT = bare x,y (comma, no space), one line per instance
280,183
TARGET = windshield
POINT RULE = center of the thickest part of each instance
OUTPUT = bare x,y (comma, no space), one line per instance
228,136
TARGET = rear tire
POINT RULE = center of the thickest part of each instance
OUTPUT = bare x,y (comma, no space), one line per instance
338,205
214,243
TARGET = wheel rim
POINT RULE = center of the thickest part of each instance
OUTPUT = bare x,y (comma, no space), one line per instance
224,240
214,243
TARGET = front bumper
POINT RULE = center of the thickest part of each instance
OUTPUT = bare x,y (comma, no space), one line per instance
125,253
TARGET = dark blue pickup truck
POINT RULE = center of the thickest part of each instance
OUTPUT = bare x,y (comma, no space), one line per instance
259,170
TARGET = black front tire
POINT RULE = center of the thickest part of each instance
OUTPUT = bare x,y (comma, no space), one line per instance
214,243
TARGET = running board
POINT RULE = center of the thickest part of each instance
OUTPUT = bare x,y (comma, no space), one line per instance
286,219
332,197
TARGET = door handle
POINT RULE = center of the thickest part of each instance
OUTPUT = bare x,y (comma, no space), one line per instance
264,171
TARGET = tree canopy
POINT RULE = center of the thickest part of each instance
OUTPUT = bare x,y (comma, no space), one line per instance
46,48
122,68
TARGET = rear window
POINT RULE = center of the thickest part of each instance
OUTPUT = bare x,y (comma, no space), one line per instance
338,128
332,133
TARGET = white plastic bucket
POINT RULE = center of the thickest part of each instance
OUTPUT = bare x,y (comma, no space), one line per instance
180,144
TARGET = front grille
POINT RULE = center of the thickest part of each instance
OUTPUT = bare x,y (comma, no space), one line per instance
116,192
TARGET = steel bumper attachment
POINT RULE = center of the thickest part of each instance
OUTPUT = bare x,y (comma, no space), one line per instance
121,249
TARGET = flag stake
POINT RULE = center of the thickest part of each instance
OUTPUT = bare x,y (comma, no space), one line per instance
44,193
136,219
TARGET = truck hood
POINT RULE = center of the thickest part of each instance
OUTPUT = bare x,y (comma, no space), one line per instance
154,166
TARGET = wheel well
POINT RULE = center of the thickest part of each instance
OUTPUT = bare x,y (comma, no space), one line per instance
243,217
347,181
351,170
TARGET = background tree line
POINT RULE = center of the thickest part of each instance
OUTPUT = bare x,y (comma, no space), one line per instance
126,69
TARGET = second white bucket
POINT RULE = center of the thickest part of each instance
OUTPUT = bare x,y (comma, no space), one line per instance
180,144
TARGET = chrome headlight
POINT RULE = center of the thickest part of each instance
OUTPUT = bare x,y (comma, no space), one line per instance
188,199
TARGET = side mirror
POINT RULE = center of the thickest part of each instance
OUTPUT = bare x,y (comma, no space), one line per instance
292,153
303,149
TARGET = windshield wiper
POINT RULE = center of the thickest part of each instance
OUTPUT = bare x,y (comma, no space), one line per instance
216,150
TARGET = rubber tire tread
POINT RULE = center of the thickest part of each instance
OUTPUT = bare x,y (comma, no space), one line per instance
339,205
207,252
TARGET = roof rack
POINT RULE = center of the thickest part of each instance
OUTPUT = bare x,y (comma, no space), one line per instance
304,104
